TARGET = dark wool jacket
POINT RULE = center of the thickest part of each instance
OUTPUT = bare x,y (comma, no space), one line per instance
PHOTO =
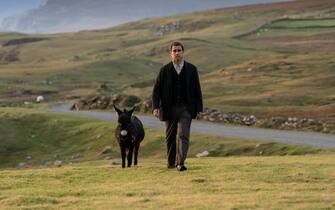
162,91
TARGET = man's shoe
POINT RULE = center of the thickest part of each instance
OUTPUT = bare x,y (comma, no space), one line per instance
181,168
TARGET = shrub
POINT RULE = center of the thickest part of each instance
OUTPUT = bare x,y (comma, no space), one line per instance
131,100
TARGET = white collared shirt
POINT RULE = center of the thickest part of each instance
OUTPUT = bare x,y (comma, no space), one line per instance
178,67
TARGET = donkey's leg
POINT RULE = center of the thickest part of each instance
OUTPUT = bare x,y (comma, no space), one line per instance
137,146
123,156
130,155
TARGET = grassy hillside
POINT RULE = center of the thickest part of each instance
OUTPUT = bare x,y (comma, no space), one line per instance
39,138
281,182
266,60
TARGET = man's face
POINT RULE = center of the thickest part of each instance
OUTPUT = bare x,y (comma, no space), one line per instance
177,54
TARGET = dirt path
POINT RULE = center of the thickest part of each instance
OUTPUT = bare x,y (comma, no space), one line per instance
292,137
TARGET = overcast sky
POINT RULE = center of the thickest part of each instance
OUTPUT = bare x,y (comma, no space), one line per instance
12,7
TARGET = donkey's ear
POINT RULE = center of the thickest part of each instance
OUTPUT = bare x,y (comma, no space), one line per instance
118,111
132,110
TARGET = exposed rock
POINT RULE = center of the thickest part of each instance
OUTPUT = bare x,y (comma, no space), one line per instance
294,123
39,99
77,106
106,150
103,86
74,58
103,101
21,165
168,28
214,115
148,52
251,120
209,114
117,98
92,102
42,166
47,82
202,154
58,163
76,156
48,163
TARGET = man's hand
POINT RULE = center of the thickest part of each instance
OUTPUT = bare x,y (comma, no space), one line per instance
199,115
156,112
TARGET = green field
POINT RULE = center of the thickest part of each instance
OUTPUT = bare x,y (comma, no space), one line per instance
279,182
304,23
238,173
294,27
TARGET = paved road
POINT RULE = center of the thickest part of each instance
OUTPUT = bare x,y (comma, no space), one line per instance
292,137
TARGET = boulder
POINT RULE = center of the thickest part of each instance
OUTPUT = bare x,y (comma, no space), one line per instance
76,156
39,99
58,163
21,165
202,154
106,150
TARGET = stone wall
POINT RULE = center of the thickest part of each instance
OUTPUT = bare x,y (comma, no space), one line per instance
214,115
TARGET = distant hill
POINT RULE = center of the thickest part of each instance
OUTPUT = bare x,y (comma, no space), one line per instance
74,15
266,60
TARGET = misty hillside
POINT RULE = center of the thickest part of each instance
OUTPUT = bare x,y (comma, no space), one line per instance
73,15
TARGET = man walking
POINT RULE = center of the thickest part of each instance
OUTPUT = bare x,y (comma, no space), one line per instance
177,99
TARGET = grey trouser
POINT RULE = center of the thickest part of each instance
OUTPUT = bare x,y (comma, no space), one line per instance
180,124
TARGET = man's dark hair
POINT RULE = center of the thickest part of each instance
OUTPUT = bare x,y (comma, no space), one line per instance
175,43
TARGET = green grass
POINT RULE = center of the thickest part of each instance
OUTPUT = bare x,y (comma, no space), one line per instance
295,27
280,182
305,32
238,174
303,23
114,72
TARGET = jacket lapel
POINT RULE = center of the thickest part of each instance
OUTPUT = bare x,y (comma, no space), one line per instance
170,73
187,75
